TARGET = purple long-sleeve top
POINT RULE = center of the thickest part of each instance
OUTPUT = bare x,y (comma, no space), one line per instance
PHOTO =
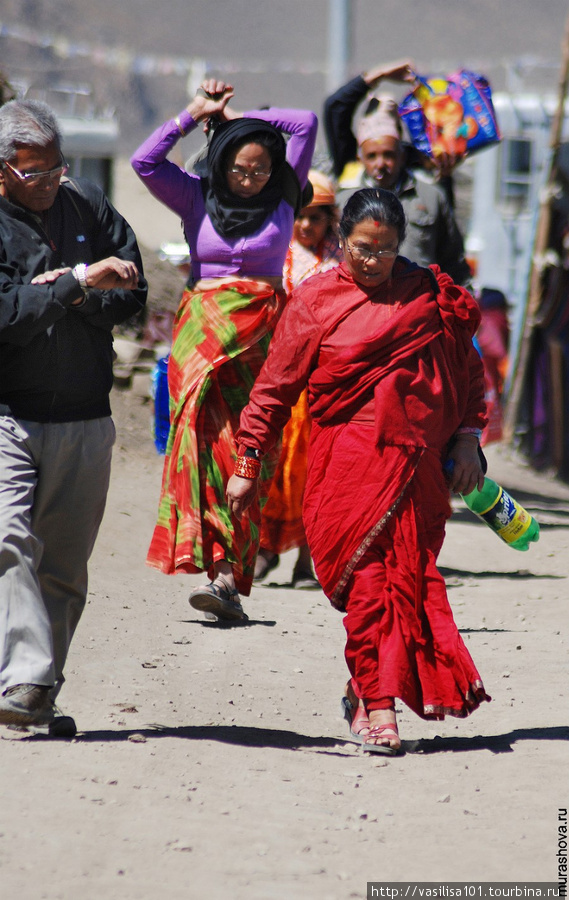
213,256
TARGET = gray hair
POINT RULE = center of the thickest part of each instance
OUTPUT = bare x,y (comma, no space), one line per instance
28,123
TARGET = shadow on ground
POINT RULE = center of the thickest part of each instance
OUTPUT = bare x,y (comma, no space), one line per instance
520,574
227,623
496,743
245,736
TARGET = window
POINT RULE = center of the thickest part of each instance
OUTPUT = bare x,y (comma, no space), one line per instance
98,170
515,170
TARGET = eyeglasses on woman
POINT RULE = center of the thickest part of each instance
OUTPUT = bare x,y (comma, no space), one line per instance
364,254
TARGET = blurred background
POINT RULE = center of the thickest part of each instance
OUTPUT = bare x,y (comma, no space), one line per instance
113,72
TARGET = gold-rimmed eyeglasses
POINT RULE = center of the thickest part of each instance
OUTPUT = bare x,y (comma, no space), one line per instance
363,254
241,175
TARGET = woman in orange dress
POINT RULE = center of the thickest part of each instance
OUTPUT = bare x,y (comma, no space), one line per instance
314,248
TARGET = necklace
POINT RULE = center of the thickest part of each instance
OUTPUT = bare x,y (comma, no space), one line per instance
303,255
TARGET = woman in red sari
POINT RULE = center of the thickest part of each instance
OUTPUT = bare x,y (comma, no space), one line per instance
385,349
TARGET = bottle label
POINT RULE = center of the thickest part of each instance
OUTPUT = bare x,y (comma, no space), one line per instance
507,518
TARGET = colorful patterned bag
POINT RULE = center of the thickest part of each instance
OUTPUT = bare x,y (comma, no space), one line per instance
451,116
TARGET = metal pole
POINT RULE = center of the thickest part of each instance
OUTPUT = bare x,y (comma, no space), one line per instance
339,43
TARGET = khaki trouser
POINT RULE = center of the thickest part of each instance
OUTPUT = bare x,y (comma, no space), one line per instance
54,479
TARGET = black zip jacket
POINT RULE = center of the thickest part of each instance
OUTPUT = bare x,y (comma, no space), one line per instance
55,358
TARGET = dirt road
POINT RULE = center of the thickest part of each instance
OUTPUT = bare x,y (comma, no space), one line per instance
213,762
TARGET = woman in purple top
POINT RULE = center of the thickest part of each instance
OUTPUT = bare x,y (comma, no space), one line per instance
238,217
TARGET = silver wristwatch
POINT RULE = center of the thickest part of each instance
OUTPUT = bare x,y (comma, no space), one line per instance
80,272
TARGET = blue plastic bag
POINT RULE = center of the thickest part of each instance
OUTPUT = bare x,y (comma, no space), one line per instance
161,395
451,116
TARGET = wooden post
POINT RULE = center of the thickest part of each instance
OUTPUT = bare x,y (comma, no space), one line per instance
541,244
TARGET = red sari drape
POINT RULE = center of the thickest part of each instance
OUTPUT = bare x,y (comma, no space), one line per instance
417,364
386,393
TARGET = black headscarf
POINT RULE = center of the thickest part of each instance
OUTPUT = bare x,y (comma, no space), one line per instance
233,216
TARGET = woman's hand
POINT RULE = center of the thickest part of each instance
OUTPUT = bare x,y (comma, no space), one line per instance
467,472
240,494
218,94
217,91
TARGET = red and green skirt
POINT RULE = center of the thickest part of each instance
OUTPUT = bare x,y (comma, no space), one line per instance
220,341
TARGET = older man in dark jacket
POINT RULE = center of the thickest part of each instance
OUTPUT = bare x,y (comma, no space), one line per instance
70,270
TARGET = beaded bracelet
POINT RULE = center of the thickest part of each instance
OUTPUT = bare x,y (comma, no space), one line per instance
247,467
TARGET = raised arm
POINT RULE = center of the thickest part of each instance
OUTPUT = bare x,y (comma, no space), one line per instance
301,125
340,107
170,184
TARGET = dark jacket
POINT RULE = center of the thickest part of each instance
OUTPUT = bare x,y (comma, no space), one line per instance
432,233
56,359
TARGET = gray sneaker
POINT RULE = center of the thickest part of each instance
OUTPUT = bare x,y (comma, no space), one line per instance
221,601
26,704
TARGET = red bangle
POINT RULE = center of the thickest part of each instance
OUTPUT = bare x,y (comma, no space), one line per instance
247,467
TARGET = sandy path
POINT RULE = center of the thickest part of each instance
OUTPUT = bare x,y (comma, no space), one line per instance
213,762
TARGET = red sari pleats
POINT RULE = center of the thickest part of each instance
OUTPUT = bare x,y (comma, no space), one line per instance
402,640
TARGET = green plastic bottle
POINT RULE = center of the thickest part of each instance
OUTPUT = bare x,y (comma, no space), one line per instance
503,514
